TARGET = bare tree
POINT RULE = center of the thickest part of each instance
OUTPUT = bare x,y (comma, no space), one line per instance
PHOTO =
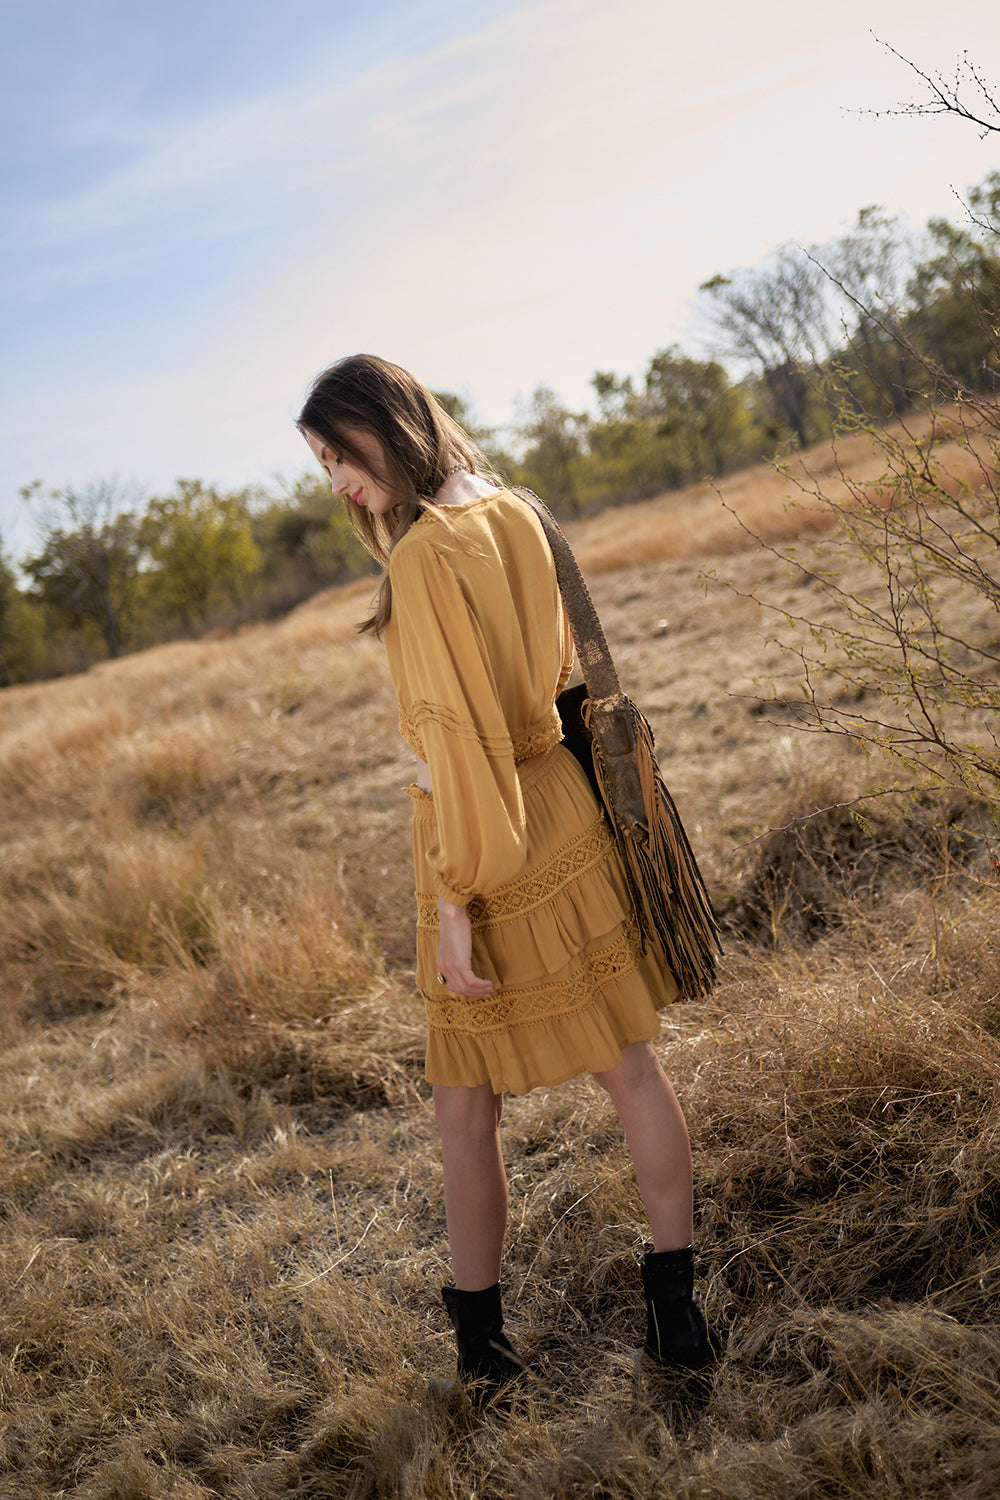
869,268
899,649
776,318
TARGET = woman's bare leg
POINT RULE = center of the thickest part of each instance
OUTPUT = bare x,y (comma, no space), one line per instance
475,1184
658,1140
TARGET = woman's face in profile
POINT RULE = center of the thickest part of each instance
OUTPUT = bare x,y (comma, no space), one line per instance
347,479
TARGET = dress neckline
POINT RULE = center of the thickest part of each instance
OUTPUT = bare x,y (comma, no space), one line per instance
433,515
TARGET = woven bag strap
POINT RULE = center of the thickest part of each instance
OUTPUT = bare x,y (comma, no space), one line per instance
596,664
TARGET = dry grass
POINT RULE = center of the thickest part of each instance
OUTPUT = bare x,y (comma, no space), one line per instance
224,1233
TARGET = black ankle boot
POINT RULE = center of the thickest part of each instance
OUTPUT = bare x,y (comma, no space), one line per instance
676,1332
487,1359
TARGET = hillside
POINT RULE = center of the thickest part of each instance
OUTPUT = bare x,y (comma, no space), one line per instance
224,1231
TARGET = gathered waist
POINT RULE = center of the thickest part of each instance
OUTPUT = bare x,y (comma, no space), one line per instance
526,743
534,742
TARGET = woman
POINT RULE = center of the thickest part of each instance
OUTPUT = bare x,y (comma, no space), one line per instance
527,953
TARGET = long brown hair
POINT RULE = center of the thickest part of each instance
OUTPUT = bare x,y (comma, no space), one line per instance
419,442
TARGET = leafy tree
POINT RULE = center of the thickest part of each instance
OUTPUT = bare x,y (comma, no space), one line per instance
685,421
22,645
954,290
554,442
626,459
709,422
88,564
306,543
199,553
8,593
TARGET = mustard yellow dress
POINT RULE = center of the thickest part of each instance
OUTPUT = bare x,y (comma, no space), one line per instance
478,647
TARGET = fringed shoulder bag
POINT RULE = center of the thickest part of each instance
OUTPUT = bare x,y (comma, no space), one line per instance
614,744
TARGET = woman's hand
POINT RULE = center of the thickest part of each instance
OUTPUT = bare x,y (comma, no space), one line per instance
455,953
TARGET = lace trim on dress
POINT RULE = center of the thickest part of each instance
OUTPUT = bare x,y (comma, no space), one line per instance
539,738
532,741
545,1001
511,901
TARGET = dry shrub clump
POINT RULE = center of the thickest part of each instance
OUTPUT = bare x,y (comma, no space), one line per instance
852,1104
860,1169
223,1229
832,853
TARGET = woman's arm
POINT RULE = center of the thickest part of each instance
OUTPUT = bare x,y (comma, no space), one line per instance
455,947
448,691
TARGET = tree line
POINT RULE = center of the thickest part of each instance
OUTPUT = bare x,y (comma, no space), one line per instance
113,572
808,340
811,335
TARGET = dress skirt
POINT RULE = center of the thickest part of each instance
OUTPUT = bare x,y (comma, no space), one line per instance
571,985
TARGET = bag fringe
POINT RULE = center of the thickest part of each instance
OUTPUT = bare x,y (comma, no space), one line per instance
671,903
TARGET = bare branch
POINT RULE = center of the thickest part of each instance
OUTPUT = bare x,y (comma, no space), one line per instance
950,98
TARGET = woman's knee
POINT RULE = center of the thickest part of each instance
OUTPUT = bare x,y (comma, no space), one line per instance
639,1065
472,1113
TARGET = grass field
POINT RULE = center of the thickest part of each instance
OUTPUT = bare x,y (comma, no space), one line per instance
223,1225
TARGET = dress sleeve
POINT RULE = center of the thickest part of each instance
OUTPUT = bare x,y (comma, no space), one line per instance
448,684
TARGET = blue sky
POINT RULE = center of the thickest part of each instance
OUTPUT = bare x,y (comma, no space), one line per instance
204,203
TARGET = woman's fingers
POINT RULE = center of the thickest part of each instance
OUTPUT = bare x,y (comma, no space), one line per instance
471,985
462,979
